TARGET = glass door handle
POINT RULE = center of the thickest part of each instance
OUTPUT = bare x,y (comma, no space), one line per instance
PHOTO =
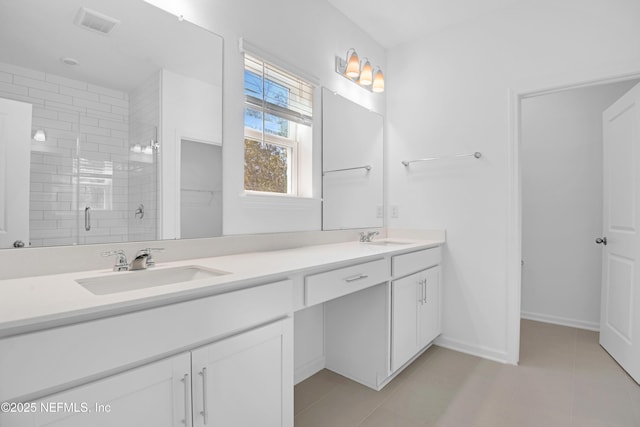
87,218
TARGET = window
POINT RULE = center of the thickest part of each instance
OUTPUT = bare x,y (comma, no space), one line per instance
95,180
277,127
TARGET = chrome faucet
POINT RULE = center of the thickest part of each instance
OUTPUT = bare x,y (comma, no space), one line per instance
366,237
144,259
139,262
121,260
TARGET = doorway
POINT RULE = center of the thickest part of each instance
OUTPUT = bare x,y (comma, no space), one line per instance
561,190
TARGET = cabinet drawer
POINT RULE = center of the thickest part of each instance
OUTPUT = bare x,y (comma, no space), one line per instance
404,264
336,283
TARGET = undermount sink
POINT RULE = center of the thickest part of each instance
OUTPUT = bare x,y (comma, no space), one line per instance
388,242
132,280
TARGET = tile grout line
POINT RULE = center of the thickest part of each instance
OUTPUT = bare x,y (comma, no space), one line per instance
402,383
315,402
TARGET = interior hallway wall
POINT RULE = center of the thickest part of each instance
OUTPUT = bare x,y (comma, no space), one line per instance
561,158
452,92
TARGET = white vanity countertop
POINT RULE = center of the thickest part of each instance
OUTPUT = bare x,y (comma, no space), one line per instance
35,303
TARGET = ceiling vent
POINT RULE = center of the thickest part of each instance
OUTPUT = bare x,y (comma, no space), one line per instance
95,21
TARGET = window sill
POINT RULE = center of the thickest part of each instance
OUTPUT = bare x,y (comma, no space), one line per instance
249,193
262,200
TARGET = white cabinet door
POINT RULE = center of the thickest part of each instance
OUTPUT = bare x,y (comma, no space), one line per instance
415,314
429,307
155,395
245,380
405,295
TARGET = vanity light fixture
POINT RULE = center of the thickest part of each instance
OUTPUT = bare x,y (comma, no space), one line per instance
40,136
366,75
360,72
378,81
353,64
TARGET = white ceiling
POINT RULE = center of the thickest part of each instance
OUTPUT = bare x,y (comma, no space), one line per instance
36,33
394,22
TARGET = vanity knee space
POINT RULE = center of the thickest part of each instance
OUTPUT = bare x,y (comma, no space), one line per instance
369,333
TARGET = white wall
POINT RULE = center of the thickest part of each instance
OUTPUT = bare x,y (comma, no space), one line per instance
305,33
453,93
561,156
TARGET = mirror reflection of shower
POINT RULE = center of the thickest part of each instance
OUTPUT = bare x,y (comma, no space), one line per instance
144,186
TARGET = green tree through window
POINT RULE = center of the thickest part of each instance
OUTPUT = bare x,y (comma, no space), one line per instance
265,167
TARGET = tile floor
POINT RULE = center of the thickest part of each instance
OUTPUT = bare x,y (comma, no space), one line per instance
564,379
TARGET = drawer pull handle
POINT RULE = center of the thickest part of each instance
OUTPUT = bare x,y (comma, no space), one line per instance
356,277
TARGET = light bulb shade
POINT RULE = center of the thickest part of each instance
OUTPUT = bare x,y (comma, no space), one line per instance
378,82
40,136
353,64
366,75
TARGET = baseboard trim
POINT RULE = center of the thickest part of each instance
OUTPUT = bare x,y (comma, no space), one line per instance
472,349
562,321
303,372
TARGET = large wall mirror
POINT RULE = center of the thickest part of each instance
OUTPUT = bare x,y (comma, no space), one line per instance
122,94
352,164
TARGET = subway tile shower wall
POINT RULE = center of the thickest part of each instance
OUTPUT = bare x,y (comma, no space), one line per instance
86,159
144,120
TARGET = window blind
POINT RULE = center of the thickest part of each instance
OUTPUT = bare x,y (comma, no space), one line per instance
277,92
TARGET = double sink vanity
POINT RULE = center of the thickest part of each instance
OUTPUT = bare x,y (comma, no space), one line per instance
210,341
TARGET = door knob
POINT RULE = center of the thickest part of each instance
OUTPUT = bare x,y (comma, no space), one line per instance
601,240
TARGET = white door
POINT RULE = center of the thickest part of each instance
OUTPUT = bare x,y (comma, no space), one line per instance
620,310
15,152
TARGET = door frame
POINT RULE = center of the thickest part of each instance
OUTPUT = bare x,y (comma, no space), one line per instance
514,192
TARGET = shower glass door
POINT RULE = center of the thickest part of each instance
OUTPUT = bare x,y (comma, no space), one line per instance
93,181
117,185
